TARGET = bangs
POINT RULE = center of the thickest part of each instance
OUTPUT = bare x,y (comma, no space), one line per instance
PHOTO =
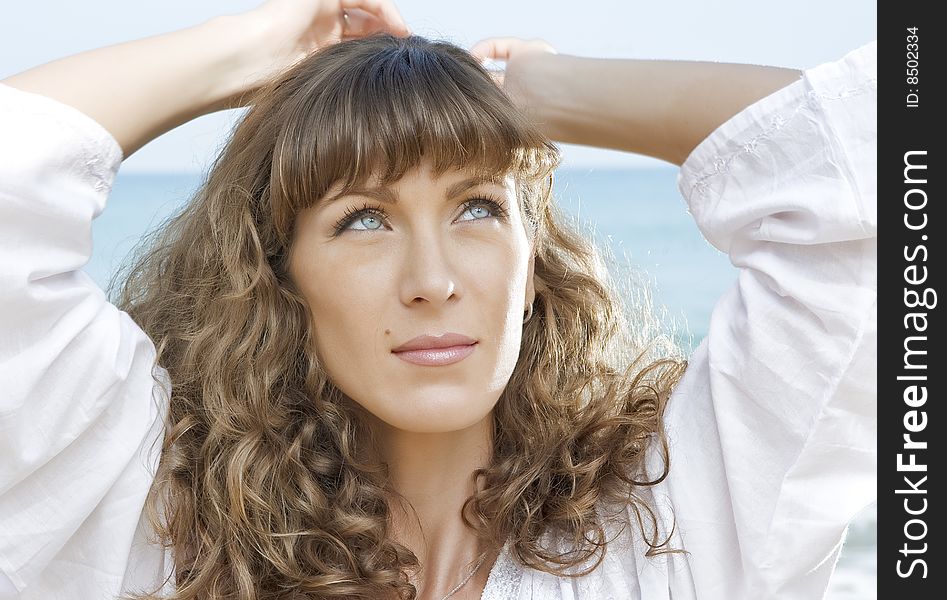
378,106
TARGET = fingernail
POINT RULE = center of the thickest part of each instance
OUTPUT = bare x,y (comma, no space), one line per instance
493,65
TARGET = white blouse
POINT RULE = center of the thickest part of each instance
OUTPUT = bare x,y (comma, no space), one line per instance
772,428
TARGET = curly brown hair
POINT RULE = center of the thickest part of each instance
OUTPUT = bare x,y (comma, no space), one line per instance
268,486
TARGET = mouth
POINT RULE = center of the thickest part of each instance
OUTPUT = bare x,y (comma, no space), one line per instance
437,357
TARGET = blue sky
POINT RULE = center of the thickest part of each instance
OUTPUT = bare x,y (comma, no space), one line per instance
797,33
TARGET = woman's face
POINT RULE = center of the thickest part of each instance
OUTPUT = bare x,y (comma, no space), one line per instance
426,257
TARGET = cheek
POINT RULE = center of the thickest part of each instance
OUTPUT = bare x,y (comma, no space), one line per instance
346,300
497,280
497,283
346,291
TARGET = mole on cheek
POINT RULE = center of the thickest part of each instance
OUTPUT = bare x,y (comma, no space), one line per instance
387,332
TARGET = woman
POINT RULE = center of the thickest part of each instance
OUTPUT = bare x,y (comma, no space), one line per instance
385,365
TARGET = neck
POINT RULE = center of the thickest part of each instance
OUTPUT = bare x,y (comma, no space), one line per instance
432,474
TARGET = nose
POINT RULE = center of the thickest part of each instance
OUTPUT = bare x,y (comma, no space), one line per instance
428,271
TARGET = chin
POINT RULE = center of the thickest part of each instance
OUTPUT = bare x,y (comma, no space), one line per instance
435,415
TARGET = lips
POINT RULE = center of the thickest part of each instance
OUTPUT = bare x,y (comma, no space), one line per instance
428,342
429,350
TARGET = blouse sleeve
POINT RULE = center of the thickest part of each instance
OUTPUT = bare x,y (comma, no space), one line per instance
81,416
772,428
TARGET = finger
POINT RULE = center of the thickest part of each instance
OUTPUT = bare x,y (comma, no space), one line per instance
361,23
382,9
496,48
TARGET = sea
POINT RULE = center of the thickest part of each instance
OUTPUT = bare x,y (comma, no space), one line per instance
637,217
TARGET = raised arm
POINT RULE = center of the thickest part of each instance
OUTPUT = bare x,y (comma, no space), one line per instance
81,416
772,429
659,108
141,89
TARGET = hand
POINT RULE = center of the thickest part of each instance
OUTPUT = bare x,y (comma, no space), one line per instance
509,49
286,31
516,52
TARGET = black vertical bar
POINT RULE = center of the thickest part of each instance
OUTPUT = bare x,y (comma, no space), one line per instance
911,366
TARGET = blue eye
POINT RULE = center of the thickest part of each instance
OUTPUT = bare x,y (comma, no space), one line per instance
369,221
483,208
372,218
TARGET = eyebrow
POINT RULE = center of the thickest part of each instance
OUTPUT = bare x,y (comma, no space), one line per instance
386,195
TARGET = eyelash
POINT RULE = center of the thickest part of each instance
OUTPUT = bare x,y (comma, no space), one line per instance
351,214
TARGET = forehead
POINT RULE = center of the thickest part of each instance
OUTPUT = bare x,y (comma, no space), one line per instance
452,182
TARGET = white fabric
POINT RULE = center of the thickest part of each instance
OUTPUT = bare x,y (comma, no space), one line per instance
772,427
79,410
